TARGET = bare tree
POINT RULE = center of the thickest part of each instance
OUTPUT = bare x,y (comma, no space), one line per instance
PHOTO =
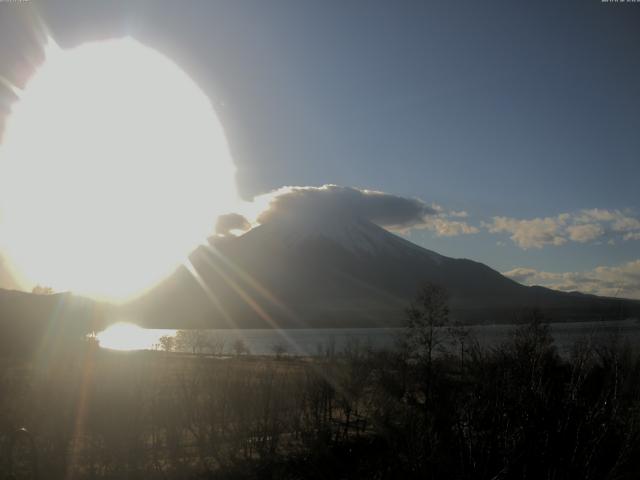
191,340
240,347
279,350
167,343
217,344
461,339
425,317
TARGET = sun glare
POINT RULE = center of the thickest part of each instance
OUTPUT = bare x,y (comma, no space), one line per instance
113,167
127,336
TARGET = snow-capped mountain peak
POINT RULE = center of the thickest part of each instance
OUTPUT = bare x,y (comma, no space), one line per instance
355,235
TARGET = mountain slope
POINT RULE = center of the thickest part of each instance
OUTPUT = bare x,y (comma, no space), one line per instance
30,322
336,271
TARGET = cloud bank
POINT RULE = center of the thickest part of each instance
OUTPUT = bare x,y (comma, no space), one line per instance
584,226
389,211
230,224
618,281
402,214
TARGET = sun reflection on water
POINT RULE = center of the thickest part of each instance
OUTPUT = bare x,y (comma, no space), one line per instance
129,336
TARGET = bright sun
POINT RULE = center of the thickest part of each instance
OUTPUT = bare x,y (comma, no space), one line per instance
113,167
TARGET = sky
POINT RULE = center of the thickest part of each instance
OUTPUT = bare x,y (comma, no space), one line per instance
514,124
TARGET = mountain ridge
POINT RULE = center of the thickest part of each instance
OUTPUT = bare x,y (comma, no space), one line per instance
344,272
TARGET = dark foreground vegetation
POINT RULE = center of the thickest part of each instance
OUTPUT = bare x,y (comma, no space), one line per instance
518,411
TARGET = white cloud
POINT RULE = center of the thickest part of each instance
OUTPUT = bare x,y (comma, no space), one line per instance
597,214
521,274
585,232
393,212
617,281
384,209
450,228
618,221
402,214
230,224
588,225
626,224
460,214
534,233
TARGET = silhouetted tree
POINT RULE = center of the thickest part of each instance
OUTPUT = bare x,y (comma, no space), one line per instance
240,347
167,343
216,344
279,350
461,339
425,317
191,340
42,290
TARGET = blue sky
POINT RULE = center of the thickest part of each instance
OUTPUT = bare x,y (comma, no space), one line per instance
521,110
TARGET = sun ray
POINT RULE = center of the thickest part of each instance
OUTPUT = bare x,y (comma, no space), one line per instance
53,335
210,294
82,405
14,89
253,283
244,295
251,302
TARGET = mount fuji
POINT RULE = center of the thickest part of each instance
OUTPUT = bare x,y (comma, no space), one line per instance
336,270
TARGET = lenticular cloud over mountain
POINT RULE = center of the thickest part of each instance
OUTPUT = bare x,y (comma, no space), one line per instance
384,209
392,212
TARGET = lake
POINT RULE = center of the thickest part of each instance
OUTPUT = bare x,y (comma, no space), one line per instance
319,341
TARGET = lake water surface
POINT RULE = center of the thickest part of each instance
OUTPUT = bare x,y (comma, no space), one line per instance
319,341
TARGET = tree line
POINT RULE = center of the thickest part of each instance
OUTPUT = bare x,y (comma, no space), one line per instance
439,406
